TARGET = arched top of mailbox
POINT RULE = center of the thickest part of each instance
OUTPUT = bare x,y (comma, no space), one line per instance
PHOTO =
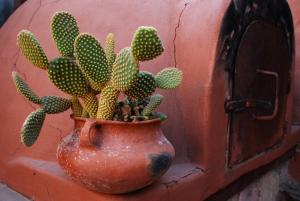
240,14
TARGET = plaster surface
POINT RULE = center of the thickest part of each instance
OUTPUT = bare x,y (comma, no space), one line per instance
190,32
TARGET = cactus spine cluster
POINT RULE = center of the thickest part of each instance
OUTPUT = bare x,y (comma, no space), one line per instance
85,69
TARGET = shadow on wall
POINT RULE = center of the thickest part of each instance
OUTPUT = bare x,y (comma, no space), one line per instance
7,7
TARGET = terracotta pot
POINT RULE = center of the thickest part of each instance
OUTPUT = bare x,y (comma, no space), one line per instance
115,157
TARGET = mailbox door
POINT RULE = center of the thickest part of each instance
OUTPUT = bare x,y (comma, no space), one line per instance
260,85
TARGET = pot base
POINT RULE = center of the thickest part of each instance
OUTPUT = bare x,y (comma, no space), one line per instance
119,159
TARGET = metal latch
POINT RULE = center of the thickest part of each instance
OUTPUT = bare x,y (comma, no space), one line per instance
242,104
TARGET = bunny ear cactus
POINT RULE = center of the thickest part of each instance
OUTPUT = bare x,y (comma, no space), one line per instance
110,49
32,127
53,104
143,87
85,69
146,44
91,58
90,104
154,102
168,78
125,70
24,89
64,31
76,106
107,103
66,75
32,50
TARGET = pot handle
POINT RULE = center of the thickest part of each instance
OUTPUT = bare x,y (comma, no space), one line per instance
84,136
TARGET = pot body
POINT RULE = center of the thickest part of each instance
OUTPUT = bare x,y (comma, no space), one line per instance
116,157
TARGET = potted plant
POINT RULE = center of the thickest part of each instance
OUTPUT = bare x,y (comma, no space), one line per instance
117,145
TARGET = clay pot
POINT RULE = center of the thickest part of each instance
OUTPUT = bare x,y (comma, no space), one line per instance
115,157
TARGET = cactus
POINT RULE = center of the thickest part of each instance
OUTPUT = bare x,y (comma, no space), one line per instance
168,78
66,75
125,70
146,44
110,49
85,114
95,87
91,58
154,102
32,126
64,31
159,115
24,89
90,104
76,107
144,86
54,104
85,69
107,103
32,50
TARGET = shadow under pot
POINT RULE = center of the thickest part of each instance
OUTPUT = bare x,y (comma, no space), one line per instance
115,157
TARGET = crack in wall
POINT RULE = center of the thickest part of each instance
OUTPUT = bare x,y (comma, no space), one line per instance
176,29
173,182
186,4
58,129
34,14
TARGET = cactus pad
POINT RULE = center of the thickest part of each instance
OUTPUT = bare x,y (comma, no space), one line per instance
143,87
146,44
24,89
90,103
154,102
168,78
31,49
64,31
96,87
54,104
110,49
66,75
107,103
85,114
76,107
125,70
32,127
92,59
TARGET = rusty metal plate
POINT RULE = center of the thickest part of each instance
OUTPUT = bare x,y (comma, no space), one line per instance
261,77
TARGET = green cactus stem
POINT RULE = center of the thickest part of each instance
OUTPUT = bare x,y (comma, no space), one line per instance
90,104
32,127
125,70
32,50
24,89
107,103
85,114
110,49
92,59
159,115
64,31
54,104
168,78
143,87
66,75
96,87
76,107
154,102
146,44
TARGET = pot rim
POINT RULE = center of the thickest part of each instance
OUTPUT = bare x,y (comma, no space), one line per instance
117,122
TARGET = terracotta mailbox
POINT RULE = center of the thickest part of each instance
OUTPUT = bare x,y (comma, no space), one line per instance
231,115
258,52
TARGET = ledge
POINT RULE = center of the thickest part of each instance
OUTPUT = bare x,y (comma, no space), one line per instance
44,180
